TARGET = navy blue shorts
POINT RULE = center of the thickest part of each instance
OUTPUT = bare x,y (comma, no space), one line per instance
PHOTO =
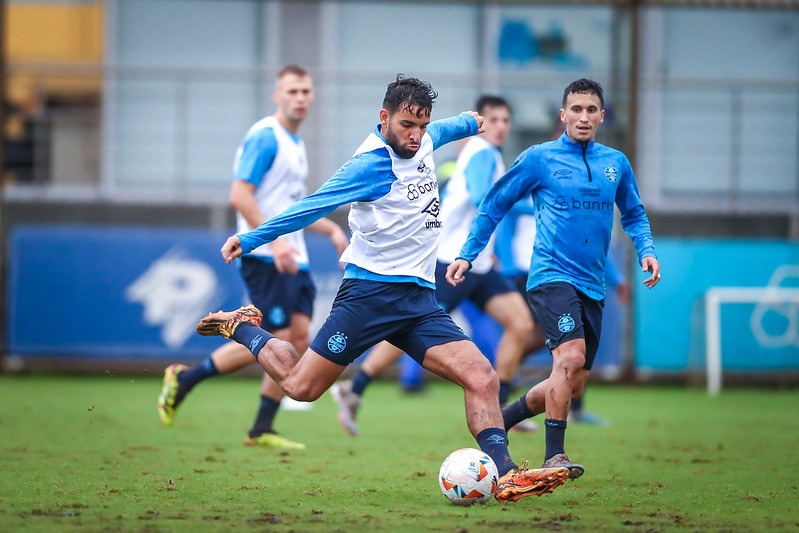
277,295
564,313
367,312
477,288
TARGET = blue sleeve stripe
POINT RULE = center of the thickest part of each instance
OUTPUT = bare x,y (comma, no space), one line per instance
364,178
451,129
633,217
479,173
258,152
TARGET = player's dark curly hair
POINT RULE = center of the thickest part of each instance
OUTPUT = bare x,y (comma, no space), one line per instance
409,93
585,86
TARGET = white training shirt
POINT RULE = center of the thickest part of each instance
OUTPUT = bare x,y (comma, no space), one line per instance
478,167
274,160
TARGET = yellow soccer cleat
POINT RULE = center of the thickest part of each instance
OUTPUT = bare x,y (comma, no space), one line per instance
273,440
166,400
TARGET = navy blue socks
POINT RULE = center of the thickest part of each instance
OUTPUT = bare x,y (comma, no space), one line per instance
494,442
360,381
555,435
515,412
504,392
252,337
266,417
191,377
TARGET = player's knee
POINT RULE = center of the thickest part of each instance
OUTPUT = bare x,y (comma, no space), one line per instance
570,362
302,391
522,328
480,376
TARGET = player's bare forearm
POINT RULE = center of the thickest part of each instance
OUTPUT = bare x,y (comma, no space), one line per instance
242,198
325,226
231,249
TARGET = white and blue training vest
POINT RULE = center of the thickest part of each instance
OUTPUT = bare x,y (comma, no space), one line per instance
395,213
478,167
274,160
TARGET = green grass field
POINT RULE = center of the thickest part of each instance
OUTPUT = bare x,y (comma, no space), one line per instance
88,454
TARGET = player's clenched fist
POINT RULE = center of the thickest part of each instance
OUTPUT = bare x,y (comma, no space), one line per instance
231,249
479,118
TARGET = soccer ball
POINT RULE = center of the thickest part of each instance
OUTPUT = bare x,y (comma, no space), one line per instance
468,476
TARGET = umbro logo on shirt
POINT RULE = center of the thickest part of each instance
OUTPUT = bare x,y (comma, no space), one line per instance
563,173
432,207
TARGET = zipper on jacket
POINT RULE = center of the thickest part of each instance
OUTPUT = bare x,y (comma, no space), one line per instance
585,160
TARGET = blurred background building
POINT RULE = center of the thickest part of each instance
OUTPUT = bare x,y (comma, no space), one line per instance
121,119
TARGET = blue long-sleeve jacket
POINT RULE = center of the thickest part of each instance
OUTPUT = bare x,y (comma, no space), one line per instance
576,186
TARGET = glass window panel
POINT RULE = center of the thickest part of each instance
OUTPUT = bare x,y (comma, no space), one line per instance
184,33
770,139
179,128
697,144
723,130
548,38
218,115
145,143
406,37
733,44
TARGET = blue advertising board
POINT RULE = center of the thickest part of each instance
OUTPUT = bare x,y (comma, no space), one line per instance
121,292
670,319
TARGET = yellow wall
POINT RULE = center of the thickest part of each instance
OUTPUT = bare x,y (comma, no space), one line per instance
52,33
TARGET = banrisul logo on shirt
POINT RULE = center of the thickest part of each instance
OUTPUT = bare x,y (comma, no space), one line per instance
587,203
417,191
611,174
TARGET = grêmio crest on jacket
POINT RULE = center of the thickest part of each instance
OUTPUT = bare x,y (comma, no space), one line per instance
611,174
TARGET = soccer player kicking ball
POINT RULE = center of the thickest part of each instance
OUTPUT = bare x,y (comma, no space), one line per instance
388,291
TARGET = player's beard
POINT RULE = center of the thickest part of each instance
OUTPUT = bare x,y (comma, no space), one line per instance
394,143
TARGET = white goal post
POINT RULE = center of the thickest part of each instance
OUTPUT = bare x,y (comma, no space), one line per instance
715,297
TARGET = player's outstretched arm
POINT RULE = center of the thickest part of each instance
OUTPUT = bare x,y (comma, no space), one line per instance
456,271
651,265
231,249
